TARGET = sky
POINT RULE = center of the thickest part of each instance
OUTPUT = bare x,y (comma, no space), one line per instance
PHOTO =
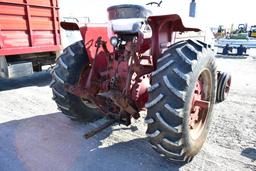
209,12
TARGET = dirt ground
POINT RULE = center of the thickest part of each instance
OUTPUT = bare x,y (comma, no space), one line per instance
35,136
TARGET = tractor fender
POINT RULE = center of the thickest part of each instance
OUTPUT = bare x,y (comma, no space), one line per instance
175,21
90,33
166,27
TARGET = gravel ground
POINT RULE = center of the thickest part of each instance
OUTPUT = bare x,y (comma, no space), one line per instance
34,135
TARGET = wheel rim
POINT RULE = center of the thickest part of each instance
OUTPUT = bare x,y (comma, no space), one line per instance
200,104
227,87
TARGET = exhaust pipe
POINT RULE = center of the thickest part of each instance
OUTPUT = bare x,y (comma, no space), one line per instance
192,8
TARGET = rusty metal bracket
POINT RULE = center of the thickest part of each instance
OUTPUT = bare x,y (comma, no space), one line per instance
121,101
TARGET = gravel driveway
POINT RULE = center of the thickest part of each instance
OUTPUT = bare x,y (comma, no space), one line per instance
35,136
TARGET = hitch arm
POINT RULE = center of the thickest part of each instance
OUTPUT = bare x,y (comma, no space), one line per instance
99,129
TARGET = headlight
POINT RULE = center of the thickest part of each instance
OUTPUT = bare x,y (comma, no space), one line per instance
114,41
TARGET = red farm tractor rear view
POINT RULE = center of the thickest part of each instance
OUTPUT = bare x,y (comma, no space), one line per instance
134,65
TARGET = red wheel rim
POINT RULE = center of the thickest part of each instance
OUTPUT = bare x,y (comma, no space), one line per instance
227,87
200,104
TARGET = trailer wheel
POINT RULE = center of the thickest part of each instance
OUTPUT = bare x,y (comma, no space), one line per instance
181,99
68,68
224,82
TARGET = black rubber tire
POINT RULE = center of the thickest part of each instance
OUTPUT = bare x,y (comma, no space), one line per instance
68,68
222,83
170,96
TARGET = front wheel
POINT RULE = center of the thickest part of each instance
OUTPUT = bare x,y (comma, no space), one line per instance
223,87
181,99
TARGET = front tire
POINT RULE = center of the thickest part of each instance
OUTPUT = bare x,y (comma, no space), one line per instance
68,69
185,75
223,87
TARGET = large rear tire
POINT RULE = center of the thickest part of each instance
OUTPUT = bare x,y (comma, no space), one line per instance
68,68
185,76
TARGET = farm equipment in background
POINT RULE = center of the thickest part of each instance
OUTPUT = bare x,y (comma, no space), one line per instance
29,36
237,42
134,65
221,32
252,32
239,33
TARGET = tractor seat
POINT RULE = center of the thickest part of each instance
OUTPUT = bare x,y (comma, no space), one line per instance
127,18
127,11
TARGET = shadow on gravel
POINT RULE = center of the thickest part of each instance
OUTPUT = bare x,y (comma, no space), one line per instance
37,79
54,142
250,153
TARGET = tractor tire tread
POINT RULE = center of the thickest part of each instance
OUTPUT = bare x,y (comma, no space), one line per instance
67,70
165,120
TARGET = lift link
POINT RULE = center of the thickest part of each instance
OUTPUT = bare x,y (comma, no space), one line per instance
94,131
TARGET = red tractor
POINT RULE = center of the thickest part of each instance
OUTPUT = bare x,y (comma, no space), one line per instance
135,65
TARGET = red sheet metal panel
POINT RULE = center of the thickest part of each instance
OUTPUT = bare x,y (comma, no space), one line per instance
31,25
